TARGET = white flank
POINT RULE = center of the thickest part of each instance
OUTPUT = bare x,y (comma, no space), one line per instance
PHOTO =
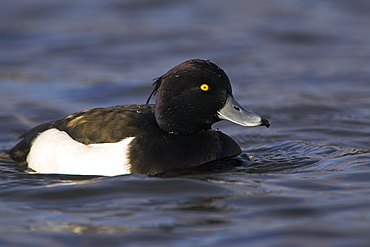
54,151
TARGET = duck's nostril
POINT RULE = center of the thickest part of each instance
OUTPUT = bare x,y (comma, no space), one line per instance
236,108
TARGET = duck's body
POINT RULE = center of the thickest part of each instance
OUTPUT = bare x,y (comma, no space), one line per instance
173,134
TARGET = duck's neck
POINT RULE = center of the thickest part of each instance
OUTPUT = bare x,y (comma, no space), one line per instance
173,121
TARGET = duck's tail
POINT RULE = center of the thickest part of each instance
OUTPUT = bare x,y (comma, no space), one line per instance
4,156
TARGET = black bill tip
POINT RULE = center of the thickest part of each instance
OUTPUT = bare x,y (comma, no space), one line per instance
265,122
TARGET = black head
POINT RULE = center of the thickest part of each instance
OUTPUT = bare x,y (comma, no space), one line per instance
192,96
189,95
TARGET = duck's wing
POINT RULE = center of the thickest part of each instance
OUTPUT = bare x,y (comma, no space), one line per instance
97,125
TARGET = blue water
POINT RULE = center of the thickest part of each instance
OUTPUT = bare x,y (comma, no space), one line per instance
302,64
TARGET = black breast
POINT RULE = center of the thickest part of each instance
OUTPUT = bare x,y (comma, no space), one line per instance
161,152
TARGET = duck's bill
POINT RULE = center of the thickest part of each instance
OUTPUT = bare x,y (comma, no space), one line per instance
235,113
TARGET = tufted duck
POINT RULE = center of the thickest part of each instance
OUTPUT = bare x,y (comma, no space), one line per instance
173,134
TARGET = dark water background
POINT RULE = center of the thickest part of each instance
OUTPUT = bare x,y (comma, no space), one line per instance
302,64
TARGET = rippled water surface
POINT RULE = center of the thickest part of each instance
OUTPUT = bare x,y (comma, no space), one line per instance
304,65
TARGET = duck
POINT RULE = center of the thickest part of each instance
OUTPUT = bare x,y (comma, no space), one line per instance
174,133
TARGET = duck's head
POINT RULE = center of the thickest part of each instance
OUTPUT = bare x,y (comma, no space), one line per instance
194,95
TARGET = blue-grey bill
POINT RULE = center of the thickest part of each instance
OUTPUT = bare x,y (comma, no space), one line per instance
235,113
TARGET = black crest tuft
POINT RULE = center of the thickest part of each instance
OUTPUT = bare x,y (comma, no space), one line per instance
156,84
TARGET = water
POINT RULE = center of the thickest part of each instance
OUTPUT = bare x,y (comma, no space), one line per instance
303,64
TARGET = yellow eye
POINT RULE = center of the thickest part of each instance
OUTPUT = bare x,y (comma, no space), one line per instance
204,87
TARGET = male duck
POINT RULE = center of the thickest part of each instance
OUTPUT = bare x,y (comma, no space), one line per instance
173,134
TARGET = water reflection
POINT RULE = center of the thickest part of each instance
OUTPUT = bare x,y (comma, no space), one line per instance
304,64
